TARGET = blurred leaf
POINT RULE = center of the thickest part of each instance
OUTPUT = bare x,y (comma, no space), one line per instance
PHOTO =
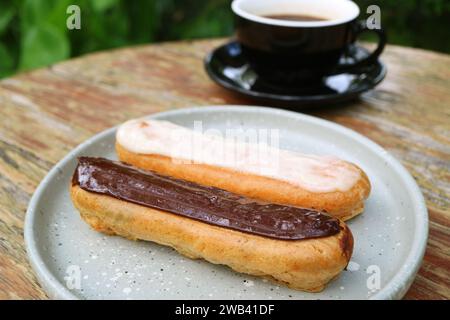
6,61
35,12
57,14
145,18
106,30
32,12
33,32
102,5
6,14
42,46
214,19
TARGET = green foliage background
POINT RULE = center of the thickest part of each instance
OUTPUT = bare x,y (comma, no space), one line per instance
33,33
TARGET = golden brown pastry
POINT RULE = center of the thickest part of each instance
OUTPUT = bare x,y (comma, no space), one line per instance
322,183
118,199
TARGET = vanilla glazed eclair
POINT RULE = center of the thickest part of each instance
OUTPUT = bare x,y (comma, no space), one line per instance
300,248
324,183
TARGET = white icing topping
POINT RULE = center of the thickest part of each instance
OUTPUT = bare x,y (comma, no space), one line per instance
311,172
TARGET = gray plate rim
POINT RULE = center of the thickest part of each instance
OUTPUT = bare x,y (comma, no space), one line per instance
394,289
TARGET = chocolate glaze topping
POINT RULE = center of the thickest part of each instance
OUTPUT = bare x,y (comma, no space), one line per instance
206,204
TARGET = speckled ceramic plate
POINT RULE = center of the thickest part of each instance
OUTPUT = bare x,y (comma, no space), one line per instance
73,261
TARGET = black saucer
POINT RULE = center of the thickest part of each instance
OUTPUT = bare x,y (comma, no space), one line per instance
228,67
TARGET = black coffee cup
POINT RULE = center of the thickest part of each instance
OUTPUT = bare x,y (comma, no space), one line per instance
294,42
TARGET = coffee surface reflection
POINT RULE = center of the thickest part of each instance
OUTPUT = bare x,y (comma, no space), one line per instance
294,17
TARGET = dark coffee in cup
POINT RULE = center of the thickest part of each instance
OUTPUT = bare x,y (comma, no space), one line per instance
295,42
294,17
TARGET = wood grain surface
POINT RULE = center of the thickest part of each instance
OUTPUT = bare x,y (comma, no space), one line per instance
47,112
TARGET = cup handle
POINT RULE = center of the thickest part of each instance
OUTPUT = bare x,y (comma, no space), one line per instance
360,27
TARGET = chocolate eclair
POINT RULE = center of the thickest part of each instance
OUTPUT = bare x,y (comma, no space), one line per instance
299,247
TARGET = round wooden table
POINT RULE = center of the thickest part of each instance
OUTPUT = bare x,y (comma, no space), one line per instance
47,112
